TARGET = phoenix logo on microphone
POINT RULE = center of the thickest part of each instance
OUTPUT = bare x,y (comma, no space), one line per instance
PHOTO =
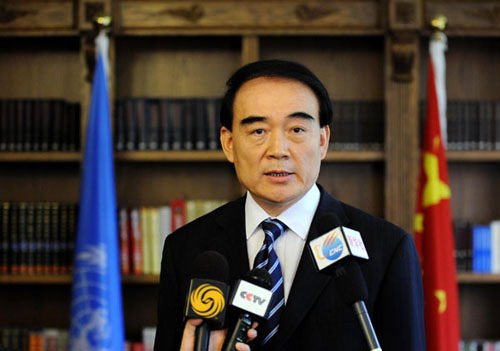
207,301
331,248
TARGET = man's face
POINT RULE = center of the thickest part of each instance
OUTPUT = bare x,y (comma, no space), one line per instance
276,143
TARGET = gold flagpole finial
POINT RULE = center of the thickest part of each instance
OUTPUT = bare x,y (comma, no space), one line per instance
439,22
103,22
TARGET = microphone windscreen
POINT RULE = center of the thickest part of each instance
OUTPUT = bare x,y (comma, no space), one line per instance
260,277
327,223
210,265
350,282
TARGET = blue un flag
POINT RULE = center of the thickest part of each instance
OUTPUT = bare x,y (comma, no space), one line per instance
96,308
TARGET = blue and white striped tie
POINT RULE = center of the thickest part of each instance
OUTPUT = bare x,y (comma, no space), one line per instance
267,259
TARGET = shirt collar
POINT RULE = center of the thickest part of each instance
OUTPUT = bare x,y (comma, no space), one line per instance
297,217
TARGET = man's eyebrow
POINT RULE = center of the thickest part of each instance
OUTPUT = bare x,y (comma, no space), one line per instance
252,119
301,115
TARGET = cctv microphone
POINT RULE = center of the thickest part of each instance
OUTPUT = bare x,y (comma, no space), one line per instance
334,253
253,296
208,295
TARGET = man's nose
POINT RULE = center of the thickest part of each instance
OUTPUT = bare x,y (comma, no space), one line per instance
278,145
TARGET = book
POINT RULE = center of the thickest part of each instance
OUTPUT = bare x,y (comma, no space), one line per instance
14,239
4,132
154,228
142,123
131,125
481,241
136,242
54,242
178,207
165,224
124,233
165,125
146,242
495,246
23,238
213,123
153,130
176,114
30,237
4,238
119,134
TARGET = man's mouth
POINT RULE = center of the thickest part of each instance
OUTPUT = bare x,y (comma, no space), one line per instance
278,174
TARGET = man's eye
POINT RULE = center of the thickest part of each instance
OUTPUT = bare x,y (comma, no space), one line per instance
258,131
298,130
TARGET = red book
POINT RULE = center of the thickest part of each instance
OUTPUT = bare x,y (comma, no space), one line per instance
136,241
124,241
178,207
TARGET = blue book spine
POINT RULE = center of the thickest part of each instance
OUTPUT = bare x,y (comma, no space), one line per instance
481,241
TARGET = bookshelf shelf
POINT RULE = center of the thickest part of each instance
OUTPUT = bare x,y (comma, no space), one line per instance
475,278
36,279
218,156
354,156
170,156
40,156
473,156
67,278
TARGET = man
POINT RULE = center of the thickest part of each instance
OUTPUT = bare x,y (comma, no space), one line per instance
275,116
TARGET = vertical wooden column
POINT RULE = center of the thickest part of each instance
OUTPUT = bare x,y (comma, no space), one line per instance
401,96
249,49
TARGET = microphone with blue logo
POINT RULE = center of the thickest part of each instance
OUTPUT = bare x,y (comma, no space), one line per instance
335,252
208,295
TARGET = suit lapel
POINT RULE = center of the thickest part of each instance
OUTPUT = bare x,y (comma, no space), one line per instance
231,240
308,283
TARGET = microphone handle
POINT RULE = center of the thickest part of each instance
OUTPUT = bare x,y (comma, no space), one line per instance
366,326
202,336
240,331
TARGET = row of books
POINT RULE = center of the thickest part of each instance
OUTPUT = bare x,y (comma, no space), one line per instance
479,345
37,237
357,125
477,247
167,124
56,339
144,229
39,125
193,124
471,125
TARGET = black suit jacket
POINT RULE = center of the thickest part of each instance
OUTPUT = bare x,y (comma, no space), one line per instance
315,318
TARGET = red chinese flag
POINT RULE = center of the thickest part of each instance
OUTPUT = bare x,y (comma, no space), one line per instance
433,222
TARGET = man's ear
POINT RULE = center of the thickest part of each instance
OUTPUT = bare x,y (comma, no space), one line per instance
324,140
226,140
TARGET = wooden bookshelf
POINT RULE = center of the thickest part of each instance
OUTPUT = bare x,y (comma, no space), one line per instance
40,157
362,50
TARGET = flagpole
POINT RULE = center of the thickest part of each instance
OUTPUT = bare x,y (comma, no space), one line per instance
96,308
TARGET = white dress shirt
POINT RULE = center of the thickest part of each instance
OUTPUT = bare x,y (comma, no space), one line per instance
288,246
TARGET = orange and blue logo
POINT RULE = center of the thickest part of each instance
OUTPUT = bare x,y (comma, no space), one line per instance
332,247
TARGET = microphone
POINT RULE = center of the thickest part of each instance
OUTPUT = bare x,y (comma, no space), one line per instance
207,296
336,251
253,296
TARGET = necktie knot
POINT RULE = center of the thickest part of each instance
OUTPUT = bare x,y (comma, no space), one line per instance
273,228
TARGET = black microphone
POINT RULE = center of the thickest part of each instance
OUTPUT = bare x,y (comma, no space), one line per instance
253,296
335,253
208,295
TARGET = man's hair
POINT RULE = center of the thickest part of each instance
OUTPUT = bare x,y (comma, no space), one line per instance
278,69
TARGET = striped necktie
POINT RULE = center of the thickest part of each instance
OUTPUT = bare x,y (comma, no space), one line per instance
267,259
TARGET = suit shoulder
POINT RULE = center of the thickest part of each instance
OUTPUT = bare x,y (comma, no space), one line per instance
365,222
208,222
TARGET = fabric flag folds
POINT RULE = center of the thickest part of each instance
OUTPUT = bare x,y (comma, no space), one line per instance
433,222
96,308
